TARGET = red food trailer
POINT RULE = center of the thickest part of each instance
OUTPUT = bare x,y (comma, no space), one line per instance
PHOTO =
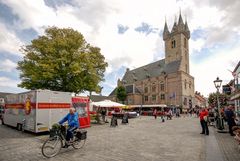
81,104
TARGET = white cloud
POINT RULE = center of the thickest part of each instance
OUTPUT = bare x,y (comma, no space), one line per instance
7,82
8,41
196,45
7,65
97,20
217,65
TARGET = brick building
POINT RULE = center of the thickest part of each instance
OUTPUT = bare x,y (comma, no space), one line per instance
167,81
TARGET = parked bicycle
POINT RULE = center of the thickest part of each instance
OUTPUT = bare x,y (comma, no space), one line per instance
57,140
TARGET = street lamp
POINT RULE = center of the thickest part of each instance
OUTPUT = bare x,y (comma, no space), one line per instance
217,84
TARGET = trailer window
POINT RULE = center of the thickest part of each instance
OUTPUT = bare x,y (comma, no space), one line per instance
80,108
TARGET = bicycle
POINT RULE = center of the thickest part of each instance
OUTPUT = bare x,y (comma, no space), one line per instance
57,140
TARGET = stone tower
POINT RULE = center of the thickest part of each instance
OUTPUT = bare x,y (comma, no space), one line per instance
176,44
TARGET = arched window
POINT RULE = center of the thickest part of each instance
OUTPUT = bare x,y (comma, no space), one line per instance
154,87
162,86
173,43
185,42
185,84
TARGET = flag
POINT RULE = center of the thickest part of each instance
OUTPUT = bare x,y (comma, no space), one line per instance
173,95
234,74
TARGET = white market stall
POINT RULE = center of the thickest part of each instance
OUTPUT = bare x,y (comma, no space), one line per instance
108,104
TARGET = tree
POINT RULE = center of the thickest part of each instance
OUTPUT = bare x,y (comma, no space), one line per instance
121,93
61,60
212,99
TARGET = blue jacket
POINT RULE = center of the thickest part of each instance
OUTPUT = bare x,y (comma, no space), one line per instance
72,120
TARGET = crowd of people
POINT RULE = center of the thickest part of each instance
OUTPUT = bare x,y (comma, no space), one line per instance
207,116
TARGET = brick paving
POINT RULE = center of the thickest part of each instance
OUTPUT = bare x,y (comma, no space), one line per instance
228,146
144,139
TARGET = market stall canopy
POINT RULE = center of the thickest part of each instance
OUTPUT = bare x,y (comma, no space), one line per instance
107,103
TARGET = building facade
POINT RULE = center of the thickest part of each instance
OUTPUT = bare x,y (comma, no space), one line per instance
167,81
200,100
235,88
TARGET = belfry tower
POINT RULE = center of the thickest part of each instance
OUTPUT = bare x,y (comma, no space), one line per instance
176,44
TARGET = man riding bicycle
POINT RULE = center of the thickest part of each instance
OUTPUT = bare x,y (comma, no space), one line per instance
73,124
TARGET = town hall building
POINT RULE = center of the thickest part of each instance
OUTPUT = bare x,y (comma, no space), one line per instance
167,81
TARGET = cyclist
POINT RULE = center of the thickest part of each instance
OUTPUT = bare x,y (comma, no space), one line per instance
73,124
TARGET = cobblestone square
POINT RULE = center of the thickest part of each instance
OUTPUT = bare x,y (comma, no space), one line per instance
142,139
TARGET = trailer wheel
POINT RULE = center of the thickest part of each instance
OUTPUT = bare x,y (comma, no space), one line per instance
19,127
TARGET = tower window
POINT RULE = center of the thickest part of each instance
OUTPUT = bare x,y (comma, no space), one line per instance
185,84
185,42
186,68
173,44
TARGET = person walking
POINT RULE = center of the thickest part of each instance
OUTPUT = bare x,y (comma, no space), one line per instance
155,113
229,114
203,121
103,113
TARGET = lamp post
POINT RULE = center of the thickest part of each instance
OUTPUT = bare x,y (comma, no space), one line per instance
217,84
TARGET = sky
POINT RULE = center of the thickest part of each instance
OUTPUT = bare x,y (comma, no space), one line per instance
129,33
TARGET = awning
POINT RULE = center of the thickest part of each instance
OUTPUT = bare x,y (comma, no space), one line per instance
107,103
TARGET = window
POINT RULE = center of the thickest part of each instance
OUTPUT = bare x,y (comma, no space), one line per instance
185,42
154,88
190,84
129,100
154,97
146,98
185,84
162,87
162,97
186,68
146,89
173,44
185,101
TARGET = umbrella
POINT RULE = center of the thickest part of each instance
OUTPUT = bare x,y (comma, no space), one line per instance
107,103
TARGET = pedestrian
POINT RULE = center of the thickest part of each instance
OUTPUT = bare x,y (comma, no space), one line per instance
230,117
204,121
169,114
155,113
177,112
103,113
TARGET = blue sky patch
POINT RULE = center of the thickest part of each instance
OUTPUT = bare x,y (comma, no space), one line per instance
122,29
146,28
27,35
196,34
6,15
55,3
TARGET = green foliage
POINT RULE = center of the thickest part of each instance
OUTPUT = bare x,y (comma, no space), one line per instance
121,93
61,60
212,99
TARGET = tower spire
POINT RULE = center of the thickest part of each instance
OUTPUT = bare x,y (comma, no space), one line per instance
165,30
174,28
180,20
187,31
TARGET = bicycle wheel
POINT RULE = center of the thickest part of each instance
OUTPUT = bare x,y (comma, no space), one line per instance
51,147
78,143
